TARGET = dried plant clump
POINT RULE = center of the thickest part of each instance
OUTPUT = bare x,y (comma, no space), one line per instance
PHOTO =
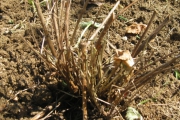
81,65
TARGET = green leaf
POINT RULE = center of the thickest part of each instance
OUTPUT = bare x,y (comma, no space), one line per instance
177,74
144,101
10,22
137,36
133,114
85,24
43,3
30,2
123,18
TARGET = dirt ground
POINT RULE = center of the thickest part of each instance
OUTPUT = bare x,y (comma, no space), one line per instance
26,89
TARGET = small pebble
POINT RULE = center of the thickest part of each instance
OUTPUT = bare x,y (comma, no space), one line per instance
124,38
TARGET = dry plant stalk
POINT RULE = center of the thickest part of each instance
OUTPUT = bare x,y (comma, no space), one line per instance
83,48
39,11
83,69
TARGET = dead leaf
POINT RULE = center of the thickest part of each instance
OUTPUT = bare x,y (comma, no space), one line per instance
136,28
124,56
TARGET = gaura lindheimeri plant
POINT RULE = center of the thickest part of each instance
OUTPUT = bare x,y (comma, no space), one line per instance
82,65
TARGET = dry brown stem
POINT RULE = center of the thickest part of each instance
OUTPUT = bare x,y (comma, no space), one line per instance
143,80
107,25
83,68
108,16
142,69
79,19
39,11
152,36
104,21
55,23
141,39
83,48
84,98
66,21
60,23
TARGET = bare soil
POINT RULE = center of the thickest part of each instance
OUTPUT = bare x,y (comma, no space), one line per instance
26,88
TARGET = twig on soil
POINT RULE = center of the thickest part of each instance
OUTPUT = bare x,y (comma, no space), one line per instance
48,115
20,93
51,108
